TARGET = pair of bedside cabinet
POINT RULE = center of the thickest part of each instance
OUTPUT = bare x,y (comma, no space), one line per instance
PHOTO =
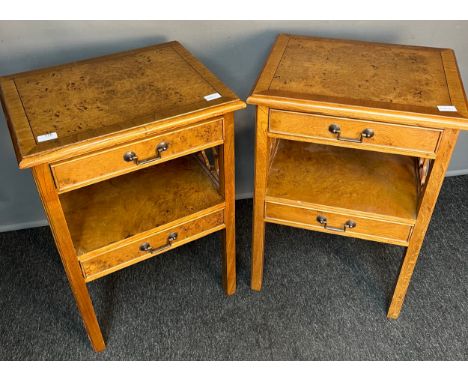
133,153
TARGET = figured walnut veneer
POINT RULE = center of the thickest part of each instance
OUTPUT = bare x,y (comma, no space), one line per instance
384,185
350,141
119,208
121,168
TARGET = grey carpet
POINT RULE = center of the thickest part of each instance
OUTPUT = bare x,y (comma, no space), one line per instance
324,298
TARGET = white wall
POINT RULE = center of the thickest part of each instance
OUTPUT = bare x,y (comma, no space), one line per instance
233,50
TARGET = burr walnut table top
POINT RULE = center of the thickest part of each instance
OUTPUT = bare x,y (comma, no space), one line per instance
356,79
58,112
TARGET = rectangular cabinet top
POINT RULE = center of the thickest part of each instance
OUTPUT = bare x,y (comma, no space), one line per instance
62,111
392,83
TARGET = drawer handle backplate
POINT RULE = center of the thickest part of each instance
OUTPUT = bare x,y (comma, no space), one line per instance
131,156
336,129
146,247
349,224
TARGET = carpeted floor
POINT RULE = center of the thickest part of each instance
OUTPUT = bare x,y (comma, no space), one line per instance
324,298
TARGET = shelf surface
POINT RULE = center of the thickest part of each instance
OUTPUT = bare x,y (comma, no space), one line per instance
355,180
119,208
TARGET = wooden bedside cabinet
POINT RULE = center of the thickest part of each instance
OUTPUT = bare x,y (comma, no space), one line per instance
354,139
132,154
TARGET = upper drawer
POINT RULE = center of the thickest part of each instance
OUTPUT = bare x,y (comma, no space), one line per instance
398,139
94,167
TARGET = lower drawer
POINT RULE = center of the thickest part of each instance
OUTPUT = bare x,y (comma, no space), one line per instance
340,224
95,265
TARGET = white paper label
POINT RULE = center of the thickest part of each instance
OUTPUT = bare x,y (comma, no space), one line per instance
447,108
47,137
211,97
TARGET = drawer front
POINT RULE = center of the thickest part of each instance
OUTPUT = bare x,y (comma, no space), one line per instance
101,165
368,135
98,265
337,223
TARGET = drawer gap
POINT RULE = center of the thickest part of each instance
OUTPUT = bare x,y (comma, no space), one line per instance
363,182
120,208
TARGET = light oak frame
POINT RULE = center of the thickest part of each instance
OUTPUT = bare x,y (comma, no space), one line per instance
163,96
50,198
265,143
309,83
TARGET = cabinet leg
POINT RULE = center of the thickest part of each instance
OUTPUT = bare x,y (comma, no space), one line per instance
404,278
229,261
227,188
261,171
85,307
58,225
426,208
258,240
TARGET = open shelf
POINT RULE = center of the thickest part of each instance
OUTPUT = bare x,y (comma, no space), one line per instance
374,183
121,207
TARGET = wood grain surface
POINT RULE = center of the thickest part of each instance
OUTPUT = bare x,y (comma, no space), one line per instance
66,249
262,161
85,101
227,189
391,138
366,228
360,79
76,124
103,263
381,73
379,184
87,169
426,208
303,169
121,207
